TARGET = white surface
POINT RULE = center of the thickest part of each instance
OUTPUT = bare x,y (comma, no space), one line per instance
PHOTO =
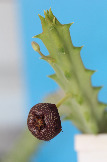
91,148
11,89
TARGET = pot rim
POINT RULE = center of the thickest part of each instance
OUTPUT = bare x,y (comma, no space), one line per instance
90,142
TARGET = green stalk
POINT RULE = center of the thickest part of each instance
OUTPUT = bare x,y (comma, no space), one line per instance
63,100
71,75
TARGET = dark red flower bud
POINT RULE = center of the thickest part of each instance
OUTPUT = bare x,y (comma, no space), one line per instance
44,121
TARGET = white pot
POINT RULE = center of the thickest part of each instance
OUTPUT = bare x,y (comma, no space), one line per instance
91,148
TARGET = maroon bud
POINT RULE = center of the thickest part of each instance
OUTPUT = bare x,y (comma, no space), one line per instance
44,121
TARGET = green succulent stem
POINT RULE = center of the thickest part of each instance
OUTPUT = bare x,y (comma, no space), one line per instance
86,112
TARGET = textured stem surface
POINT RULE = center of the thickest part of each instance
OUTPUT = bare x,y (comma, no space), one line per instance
87,113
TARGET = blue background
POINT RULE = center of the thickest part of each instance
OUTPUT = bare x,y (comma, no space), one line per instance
89,29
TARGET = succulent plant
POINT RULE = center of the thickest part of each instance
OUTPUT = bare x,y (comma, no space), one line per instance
86,112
